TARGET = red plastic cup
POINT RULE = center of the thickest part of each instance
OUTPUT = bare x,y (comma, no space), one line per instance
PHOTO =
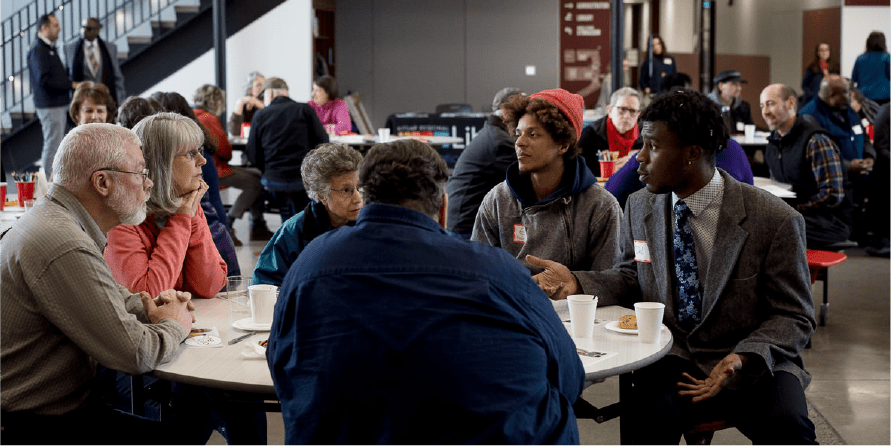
607,168
2,195
25,191
245,129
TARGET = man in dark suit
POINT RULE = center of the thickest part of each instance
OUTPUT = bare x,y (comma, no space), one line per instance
728,261
51,86
92,59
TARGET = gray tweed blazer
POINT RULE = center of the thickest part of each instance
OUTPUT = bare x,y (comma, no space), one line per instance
757,292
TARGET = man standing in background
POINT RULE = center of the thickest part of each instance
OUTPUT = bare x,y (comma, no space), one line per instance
92,59
49,79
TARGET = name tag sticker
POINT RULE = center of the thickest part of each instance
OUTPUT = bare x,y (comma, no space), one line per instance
667,62
857,129
641,251
519,234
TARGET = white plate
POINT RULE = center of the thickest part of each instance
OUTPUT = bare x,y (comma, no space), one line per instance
247,324
614,326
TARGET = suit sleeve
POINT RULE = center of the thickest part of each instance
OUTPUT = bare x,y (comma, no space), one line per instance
116,70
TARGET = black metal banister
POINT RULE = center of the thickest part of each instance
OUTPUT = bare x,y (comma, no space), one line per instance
19,31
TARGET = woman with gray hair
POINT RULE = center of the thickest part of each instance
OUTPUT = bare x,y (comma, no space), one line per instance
249,104
331,176
173,247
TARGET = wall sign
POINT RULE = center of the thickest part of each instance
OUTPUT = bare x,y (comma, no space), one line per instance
584,47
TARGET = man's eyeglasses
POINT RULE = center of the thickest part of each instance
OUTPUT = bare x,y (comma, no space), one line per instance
144,173
347,192
627,111
92,28
192,154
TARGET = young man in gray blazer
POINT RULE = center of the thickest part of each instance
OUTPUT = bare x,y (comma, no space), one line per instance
738,331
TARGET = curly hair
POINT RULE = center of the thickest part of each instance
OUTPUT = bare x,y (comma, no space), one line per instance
134,109
98,94
405,172
692,117
326,161
548,115
210,98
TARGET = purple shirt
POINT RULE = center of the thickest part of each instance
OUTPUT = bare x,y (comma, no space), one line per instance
334,112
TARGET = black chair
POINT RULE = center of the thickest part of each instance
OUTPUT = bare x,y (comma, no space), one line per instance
454,108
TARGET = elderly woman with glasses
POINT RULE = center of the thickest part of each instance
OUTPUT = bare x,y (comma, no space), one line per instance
331,176
173,247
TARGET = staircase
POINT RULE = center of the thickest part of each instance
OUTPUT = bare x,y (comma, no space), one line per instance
155,38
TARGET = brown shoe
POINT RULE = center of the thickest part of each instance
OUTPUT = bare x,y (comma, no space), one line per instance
261,234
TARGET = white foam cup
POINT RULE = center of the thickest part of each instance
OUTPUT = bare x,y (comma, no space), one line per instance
649,321
262,303
749,130
383,134
582,309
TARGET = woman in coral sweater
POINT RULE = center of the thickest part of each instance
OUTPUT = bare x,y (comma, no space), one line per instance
173,247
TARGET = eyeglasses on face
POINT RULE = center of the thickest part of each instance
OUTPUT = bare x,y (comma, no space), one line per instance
627,111
144,173
191,155
347,192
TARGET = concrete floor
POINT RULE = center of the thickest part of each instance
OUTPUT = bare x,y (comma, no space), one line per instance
849,360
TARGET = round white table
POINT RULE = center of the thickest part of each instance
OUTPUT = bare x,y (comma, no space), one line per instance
361,140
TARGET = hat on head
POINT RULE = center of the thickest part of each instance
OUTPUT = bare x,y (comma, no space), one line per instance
503,97
571,104
275,83
730,76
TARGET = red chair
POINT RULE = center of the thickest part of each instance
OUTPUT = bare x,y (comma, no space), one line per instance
819,262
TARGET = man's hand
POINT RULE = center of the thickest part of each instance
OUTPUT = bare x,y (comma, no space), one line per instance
176,305
862,166
704,389
556,280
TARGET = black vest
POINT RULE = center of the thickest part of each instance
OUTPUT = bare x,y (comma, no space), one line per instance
786,157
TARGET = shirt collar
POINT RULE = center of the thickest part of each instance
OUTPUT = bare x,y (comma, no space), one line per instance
47,41
699,200
83,218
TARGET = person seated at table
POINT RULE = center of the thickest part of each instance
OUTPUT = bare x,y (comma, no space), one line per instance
62,311
801,153
733,277
481,166
728,95
627,181
435,341
330,174
133,110
248,104
210,102
91,102
550,204
281,135
173,247
615,132
333,111
211,202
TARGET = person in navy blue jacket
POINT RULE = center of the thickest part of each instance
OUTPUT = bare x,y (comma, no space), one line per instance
49,80
394,332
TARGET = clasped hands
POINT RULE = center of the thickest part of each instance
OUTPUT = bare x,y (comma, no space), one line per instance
170,304
556,280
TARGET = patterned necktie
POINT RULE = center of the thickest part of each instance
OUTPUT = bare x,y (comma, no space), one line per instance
689,299
94,61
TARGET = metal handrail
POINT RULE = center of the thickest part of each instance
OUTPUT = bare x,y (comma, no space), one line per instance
19,32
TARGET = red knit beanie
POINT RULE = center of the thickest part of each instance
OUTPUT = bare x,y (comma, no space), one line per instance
571,104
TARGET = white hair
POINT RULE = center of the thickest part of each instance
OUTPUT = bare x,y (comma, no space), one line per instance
88,148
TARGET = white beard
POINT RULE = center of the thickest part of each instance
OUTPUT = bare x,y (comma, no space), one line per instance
133,216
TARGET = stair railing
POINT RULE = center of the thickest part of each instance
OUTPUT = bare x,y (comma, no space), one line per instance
19,32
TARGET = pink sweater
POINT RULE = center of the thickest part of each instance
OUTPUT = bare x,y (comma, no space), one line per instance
181,255
335,112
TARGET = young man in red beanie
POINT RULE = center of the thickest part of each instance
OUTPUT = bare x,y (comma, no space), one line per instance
550,204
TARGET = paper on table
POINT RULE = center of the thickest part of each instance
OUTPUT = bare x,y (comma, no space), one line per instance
253,350
203,337
592,357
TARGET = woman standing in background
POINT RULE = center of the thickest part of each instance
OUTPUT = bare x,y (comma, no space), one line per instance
822,65
872,71
656,65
